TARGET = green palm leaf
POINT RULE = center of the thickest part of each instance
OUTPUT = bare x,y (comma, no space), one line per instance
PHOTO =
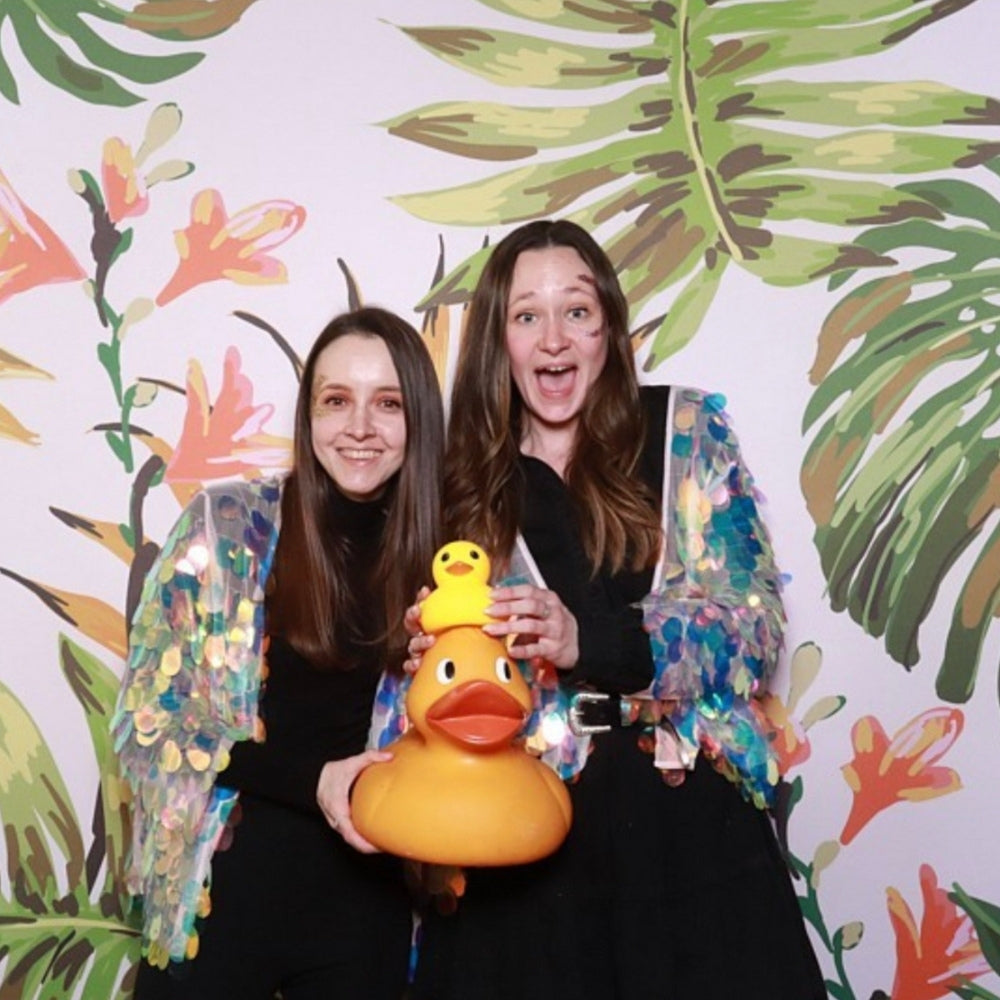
901,474
42,26
59,932
694,164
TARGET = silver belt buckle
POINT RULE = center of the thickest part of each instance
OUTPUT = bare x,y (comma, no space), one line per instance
576,723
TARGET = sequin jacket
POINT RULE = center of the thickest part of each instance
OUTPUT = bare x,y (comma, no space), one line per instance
189,692
714,616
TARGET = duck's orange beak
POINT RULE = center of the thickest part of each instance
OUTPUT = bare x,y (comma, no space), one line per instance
459,569
477,714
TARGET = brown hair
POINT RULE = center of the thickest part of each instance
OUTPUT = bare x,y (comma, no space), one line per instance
313,604
617,514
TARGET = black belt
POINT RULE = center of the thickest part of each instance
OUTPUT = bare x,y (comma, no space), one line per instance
598,712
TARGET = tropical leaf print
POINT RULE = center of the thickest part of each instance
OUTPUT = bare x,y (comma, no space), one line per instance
709,153
64,924
901,476
48,30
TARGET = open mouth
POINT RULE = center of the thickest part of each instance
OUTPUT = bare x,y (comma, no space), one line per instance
359,454
556,379
477,714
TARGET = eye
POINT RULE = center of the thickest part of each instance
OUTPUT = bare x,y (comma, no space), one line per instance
524,318
445,671
391,403
503,670
579,312
473,554
331,401
445,556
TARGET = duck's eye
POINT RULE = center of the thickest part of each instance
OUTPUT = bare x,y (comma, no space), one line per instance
445,557
474,553
503,670
446,671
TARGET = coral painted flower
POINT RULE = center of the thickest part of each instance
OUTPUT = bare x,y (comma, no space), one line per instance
884,772
225,439
945,950
215,246
124,186
786,731
30,253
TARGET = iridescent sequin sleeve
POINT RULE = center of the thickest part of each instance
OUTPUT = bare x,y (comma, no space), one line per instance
188,693
716,619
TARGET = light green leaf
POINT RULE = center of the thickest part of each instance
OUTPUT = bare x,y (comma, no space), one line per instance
514,60
36,810
583,15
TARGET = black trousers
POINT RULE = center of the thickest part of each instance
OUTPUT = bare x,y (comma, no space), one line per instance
659,893
294,909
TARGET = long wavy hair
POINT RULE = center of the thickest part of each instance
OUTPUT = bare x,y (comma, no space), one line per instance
616,511
315,604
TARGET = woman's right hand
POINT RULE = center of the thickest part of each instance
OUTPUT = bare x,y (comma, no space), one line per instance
333,793
419,642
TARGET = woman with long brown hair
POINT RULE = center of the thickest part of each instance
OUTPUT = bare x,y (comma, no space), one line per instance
244,712
638,586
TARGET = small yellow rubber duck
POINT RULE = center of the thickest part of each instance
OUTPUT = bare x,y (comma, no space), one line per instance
461,572
460,789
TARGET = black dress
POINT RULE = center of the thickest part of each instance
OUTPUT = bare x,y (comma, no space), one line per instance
658,893
292,904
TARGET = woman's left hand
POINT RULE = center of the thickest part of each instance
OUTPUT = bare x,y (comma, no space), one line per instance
541,626
333,793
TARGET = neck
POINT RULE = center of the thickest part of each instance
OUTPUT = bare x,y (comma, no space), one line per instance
551,445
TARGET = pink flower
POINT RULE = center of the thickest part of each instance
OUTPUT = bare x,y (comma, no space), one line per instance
123,183
945,950
30,253
883,773
214,246
224,439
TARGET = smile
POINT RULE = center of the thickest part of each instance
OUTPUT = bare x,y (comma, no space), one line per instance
358,454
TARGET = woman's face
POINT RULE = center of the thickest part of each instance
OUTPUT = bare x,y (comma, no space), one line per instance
358,425
555,337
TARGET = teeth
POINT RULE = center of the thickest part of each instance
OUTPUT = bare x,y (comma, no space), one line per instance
367,453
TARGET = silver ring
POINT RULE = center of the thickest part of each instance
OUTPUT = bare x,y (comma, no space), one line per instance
546,612
335,823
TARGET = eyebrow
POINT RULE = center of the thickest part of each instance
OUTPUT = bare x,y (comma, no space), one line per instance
585,278
391,387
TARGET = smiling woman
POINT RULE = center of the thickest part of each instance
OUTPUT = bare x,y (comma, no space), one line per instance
358,426
253,662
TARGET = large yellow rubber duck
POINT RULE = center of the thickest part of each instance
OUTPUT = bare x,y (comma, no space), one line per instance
459,790
461,572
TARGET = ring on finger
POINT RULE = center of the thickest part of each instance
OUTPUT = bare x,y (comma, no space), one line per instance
546,611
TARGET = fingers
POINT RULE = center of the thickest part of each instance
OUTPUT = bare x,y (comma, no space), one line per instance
536,623
417,646
333,795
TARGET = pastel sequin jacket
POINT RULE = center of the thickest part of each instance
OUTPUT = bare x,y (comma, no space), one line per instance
714,616
190,691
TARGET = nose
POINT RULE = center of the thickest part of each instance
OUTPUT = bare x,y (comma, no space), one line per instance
554,338
360,423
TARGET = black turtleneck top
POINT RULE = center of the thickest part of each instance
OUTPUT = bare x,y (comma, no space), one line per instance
315,714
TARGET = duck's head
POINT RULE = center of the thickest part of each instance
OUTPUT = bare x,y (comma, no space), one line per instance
469,692
460,564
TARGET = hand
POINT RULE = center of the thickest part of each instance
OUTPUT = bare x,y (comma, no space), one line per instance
539,625
419,643
334,790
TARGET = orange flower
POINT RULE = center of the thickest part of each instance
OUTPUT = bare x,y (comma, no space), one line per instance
787,732
882,773
942,954
125,188
224,440
125,192
30,253
214,246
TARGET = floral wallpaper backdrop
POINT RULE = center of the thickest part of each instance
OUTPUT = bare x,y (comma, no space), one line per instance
802,200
